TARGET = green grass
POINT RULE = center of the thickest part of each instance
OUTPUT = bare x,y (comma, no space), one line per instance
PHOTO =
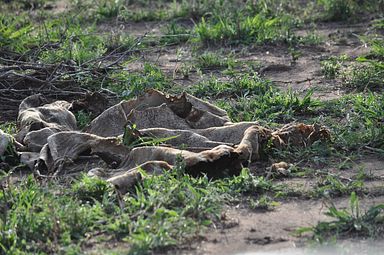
109,9
162,212
128,85
339,9
317,156
365,73
248,97
364,77
270,107
358,121
352,10
212,60
331,67
10,159
175,34
331,186
352,222
146,10
244,30
368,72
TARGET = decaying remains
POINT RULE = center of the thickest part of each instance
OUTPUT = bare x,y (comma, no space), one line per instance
152,132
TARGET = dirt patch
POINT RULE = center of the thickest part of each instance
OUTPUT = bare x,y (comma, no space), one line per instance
305,73
277,63
370,168
60,6
270,231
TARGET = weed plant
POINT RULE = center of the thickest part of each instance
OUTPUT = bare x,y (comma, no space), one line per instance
354,222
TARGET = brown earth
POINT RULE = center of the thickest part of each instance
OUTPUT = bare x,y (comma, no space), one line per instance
270,231
275,61
273,231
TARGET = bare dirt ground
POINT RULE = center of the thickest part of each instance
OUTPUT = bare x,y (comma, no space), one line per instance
276,61
273,231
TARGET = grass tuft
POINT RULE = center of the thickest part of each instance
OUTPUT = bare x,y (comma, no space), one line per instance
354,222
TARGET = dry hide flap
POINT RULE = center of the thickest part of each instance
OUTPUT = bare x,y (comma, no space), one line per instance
202,135
5,140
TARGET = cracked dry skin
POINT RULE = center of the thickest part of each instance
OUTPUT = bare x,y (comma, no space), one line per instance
202,135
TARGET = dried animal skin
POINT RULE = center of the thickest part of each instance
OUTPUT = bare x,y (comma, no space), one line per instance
35,117
202,135
199,119
230,134
281,168
254,138
54,115
32,101
299,134
36,139
123,179
93,103
29,158
207,107
161,116
65,147
116,116
212,162
110,123
5,140
193,110
181,138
